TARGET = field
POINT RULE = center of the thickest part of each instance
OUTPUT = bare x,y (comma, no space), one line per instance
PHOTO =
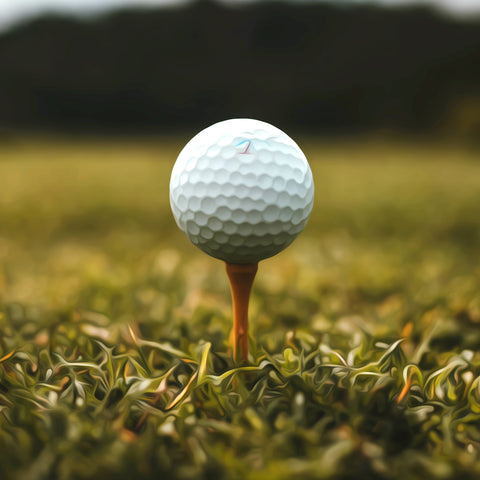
114,355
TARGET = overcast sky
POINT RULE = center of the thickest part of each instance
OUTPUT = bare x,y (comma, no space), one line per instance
13,11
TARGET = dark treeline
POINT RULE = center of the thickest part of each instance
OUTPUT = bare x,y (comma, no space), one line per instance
311,67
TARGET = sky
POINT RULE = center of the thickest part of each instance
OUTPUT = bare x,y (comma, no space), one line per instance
14,11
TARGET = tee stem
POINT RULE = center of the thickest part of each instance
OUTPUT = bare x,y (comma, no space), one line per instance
241,278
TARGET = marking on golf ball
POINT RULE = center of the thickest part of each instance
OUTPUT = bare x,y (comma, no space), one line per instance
247,148
241,190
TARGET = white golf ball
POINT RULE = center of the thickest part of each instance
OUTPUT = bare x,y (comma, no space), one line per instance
241,190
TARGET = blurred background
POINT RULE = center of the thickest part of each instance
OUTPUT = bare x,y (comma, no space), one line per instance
160,66
97,98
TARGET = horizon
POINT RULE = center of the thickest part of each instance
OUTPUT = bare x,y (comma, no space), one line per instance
13,14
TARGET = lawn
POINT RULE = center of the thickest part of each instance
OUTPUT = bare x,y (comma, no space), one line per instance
114,355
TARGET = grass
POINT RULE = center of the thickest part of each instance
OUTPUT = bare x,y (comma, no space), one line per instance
114,356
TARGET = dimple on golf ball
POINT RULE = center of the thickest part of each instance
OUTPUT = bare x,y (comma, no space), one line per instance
241,190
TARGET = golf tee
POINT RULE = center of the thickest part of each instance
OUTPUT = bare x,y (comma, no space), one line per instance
241,278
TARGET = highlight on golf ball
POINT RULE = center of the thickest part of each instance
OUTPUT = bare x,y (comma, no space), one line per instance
241,190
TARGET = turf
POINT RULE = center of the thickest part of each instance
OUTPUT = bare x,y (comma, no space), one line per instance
114,355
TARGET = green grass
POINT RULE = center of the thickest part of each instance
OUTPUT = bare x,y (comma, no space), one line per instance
114,355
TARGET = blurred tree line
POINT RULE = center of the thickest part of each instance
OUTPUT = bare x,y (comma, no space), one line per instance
313,67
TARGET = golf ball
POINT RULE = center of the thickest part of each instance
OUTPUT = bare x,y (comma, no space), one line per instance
241,190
